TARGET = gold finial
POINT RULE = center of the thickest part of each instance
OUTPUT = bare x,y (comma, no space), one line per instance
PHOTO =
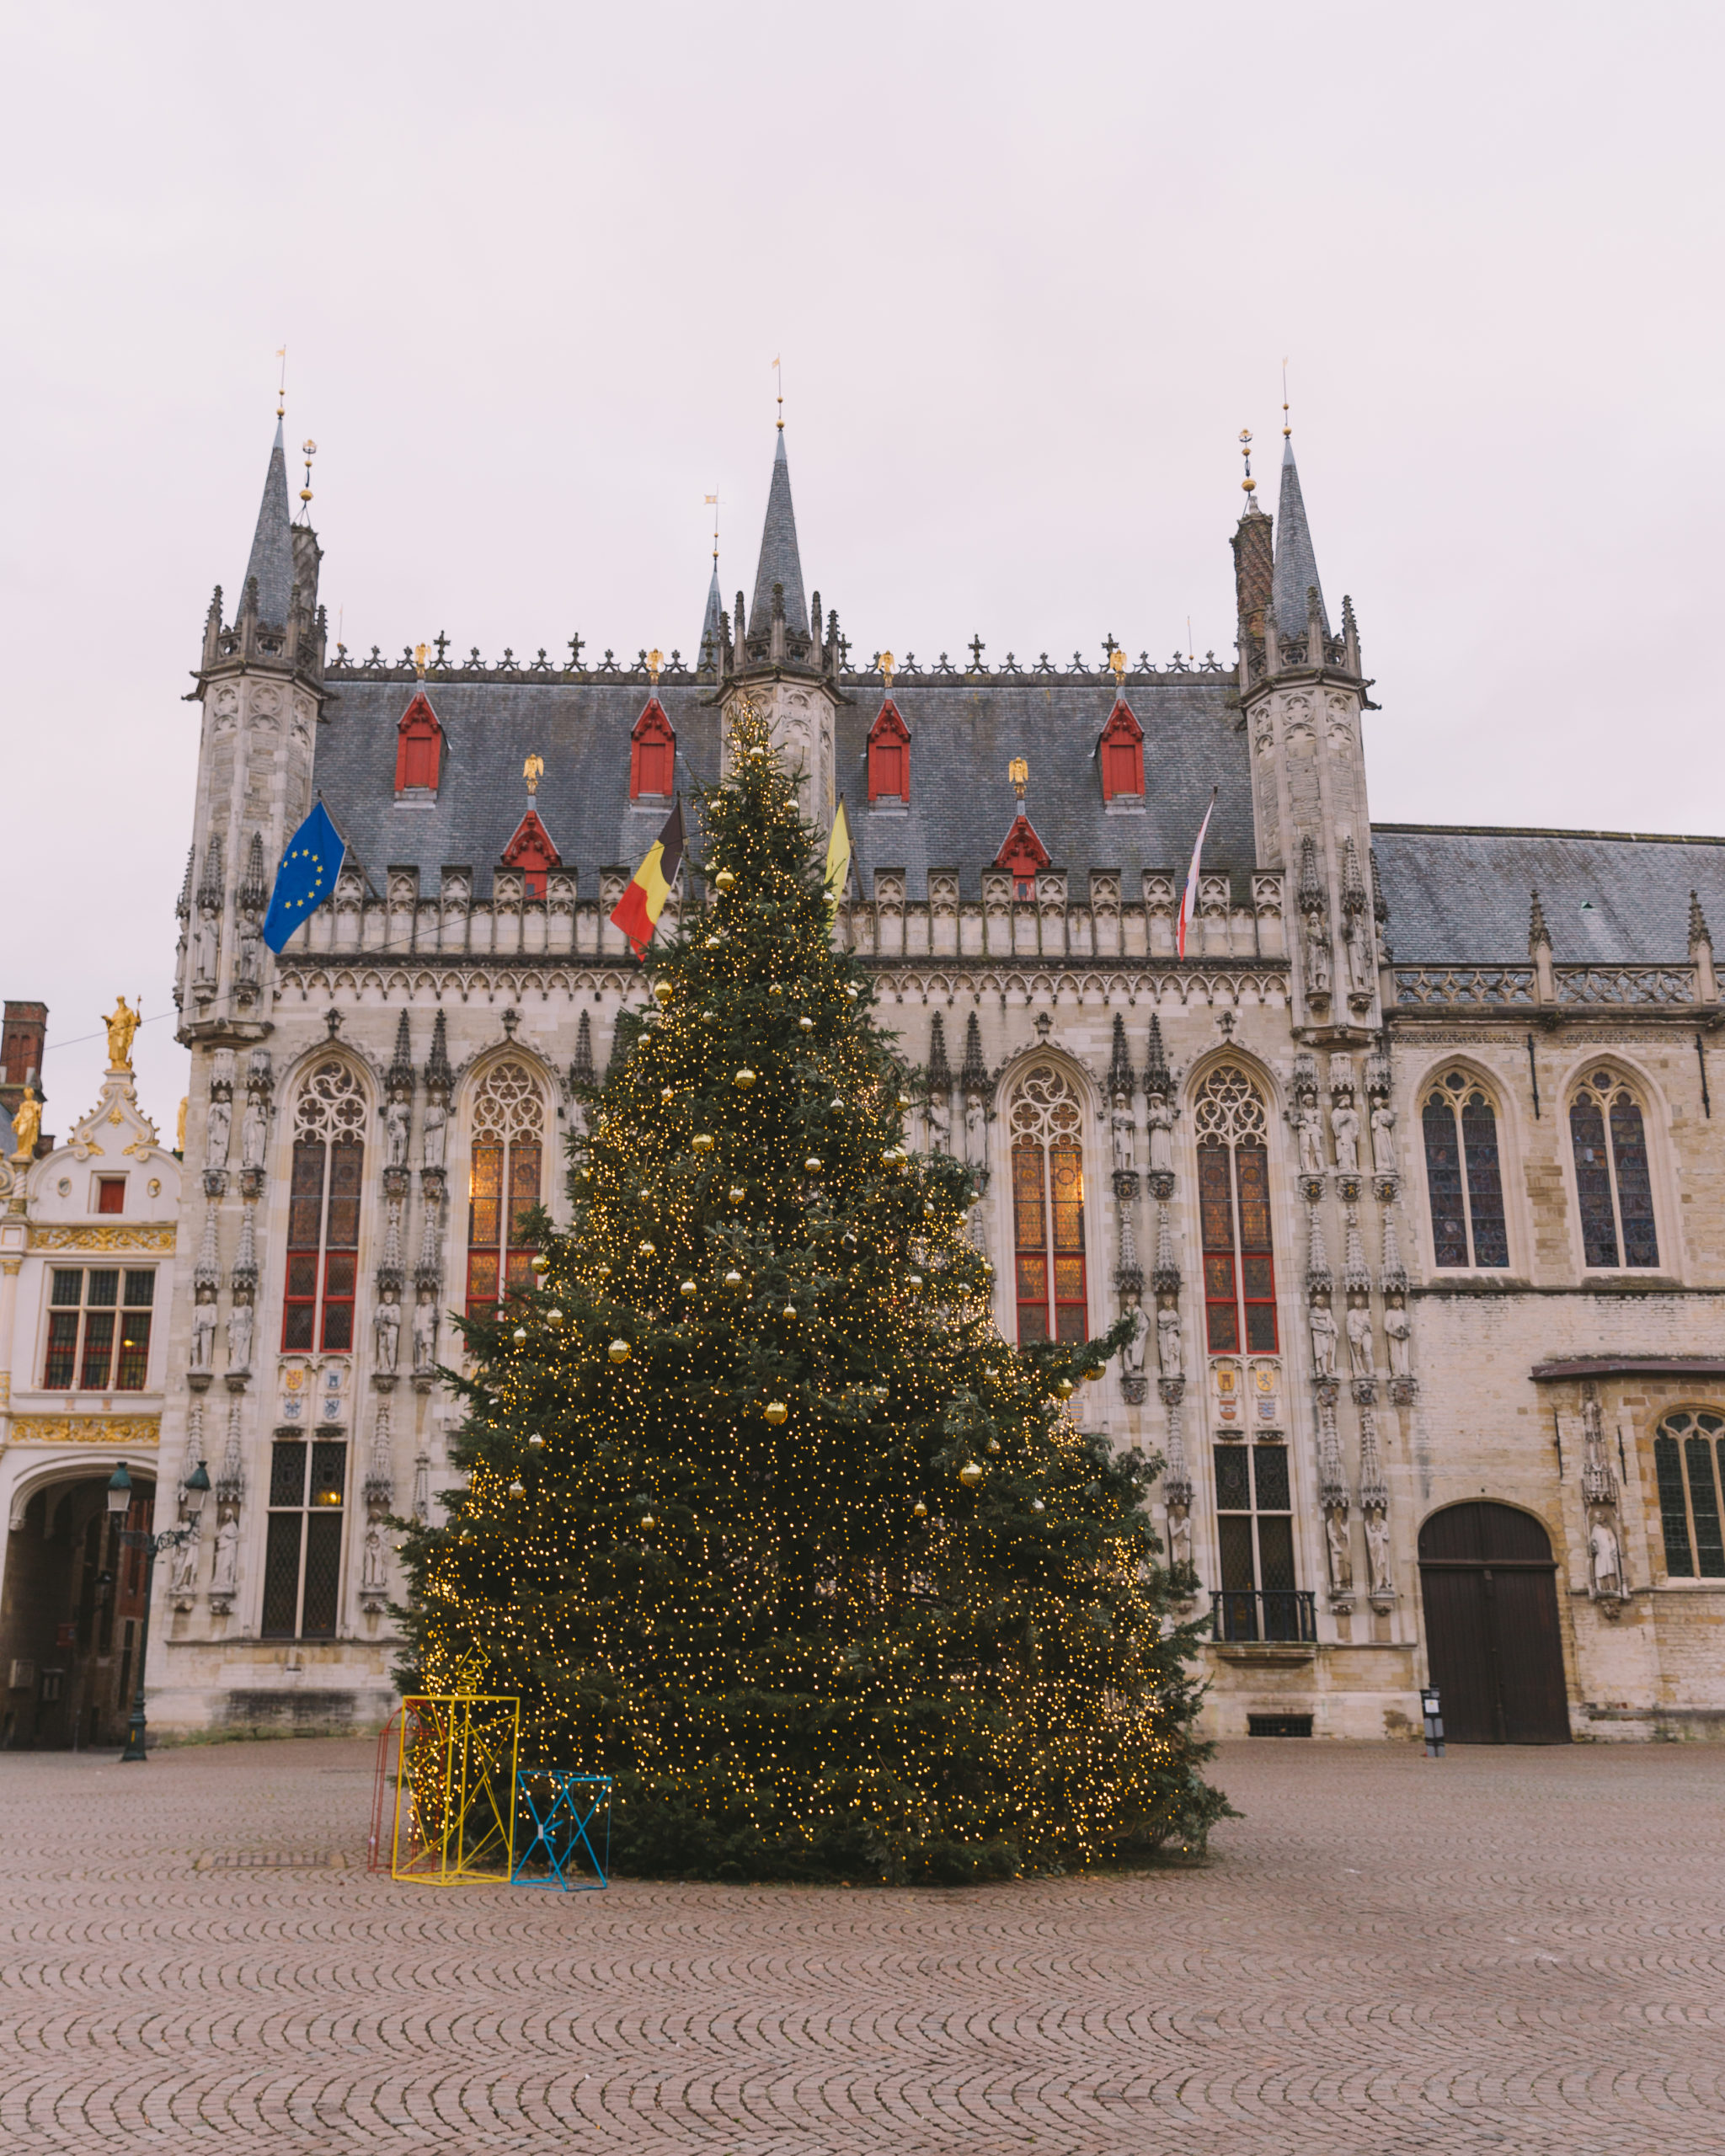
1286,428
778,370
122,1022
534,770
655,659
712,501
1248,484
421,650
1019,773
1116,660
308,449
887,664
282,385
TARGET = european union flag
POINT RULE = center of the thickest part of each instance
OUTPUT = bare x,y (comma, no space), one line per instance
305,878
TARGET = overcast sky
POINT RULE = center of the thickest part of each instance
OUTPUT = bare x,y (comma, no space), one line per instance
1030,270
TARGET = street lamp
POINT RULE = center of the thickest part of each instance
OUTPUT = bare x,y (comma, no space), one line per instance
196,1489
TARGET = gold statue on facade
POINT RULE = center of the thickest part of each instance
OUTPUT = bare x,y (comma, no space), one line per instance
122,1022
26,1126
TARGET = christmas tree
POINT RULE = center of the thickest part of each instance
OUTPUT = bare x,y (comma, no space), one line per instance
763,1516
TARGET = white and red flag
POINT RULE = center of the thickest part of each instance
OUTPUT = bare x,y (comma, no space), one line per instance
1189,901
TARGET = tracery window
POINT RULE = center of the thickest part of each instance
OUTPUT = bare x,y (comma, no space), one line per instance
503,1187
1234,1209
1689,1462
1612,1178
1463,1174
1048,1207
323,1211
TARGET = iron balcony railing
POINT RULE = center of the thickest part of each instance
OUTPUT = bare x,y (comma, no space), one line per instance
1270,1613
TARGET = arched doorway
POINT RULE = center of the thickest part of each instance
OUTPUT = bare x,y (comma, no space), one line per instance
71,1617
1491,1625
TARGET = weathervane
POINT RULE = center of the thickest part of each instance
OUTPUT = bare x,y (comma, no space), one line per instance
779,372
712,501
1286,428
308,449
282,385
1248,484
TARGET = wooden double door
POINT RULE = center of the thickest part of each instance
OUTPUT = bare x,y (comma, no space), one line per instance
1490,1585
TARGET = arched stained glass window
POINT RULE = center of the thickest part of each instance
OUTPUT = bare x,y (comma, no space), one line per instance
324,1212
1689,1466
503,1187
1612,1179
1048,1207
1463,1174
1234,1206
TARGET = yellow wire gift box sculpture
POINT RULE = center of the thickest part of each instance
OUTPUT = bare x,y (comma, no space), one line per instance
454,1789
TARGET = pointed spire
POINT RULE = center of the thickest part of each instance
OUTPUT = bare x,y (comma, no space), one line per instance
183,909
253,891
271,562
1356,1275
438,1075
780,563
1166,1278
1393,1277
1318,1263
940,1074
206,1272
1297,563
1122,1079
1699,933
400,1070
712,631
209,891
973,1076
1537,932
581,1072
1374,1490
1128,1272
1157,1076
1353,898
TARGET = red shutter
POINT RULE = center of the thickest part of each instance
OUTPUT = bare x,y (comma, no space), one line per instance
652,751
1122,754
419,747
889,756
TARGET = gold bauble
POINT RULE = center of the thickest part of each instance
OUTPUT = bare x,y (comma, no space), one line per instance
715,942
647,1520
990,1372
541,1263
807,1024
777,1411
734,1278
518,1489
880,1393
913,1279
736,1194
745,1079
711,1017
992,1448
536,1442
662,993
852,993
703,1141
904,1100
971,1473
690,1288
1064,1388
604,1269
813,1164
790,1310
918,1510
1038,1506
1092,1377
725,880
665,1096
774,988
553,1317
520,1336
649,1250
620,1351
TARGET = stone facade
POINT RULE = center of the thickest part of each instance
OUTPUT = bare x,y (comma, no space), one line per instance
1241,1139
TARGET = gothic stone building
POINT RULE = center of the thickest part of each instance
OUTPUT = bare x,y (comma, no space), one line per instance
1409,1165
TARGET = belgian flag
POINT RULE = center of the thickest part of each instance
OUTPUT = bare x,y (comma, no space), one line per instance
637,910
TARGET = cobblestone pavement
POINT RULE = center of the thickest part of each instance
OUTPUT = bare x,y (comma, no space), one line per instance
1508,1951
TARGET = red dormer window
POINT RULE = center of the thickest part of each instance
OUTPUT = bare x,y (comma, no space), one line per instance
531,851
1120,752
653,754
889,756
1022,857
419,748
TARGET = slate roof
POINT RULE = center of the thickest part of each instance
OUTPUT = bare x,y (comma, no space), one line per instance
1458,895
963,732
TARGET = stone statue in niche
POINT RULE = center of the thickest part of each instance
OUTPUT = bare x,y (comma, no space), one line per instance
1161,1135
1124,1135
208,941
251,945
1179,1536
1341,1561
204,1330
373,1578
217,1130
424,1333
239,1336
1383,1138
1605,1558
1377,1551
1170,1348
976,1130
1132,1354
1317,960
1345,1122
1359,942
252,1131
396,1118
386,1330
185,1564
1323,1341
225,1578
940,1123
1361,1354
435,1136
1310,1126
1398,1331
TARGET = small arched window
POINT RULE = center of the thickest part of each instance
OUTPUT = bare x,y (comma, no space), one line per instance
652,755
1048,1207
1234,1209
889,756
503,1186
1463,1174
1121,753
324,1212
1612,1179
1688,1460
419,748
